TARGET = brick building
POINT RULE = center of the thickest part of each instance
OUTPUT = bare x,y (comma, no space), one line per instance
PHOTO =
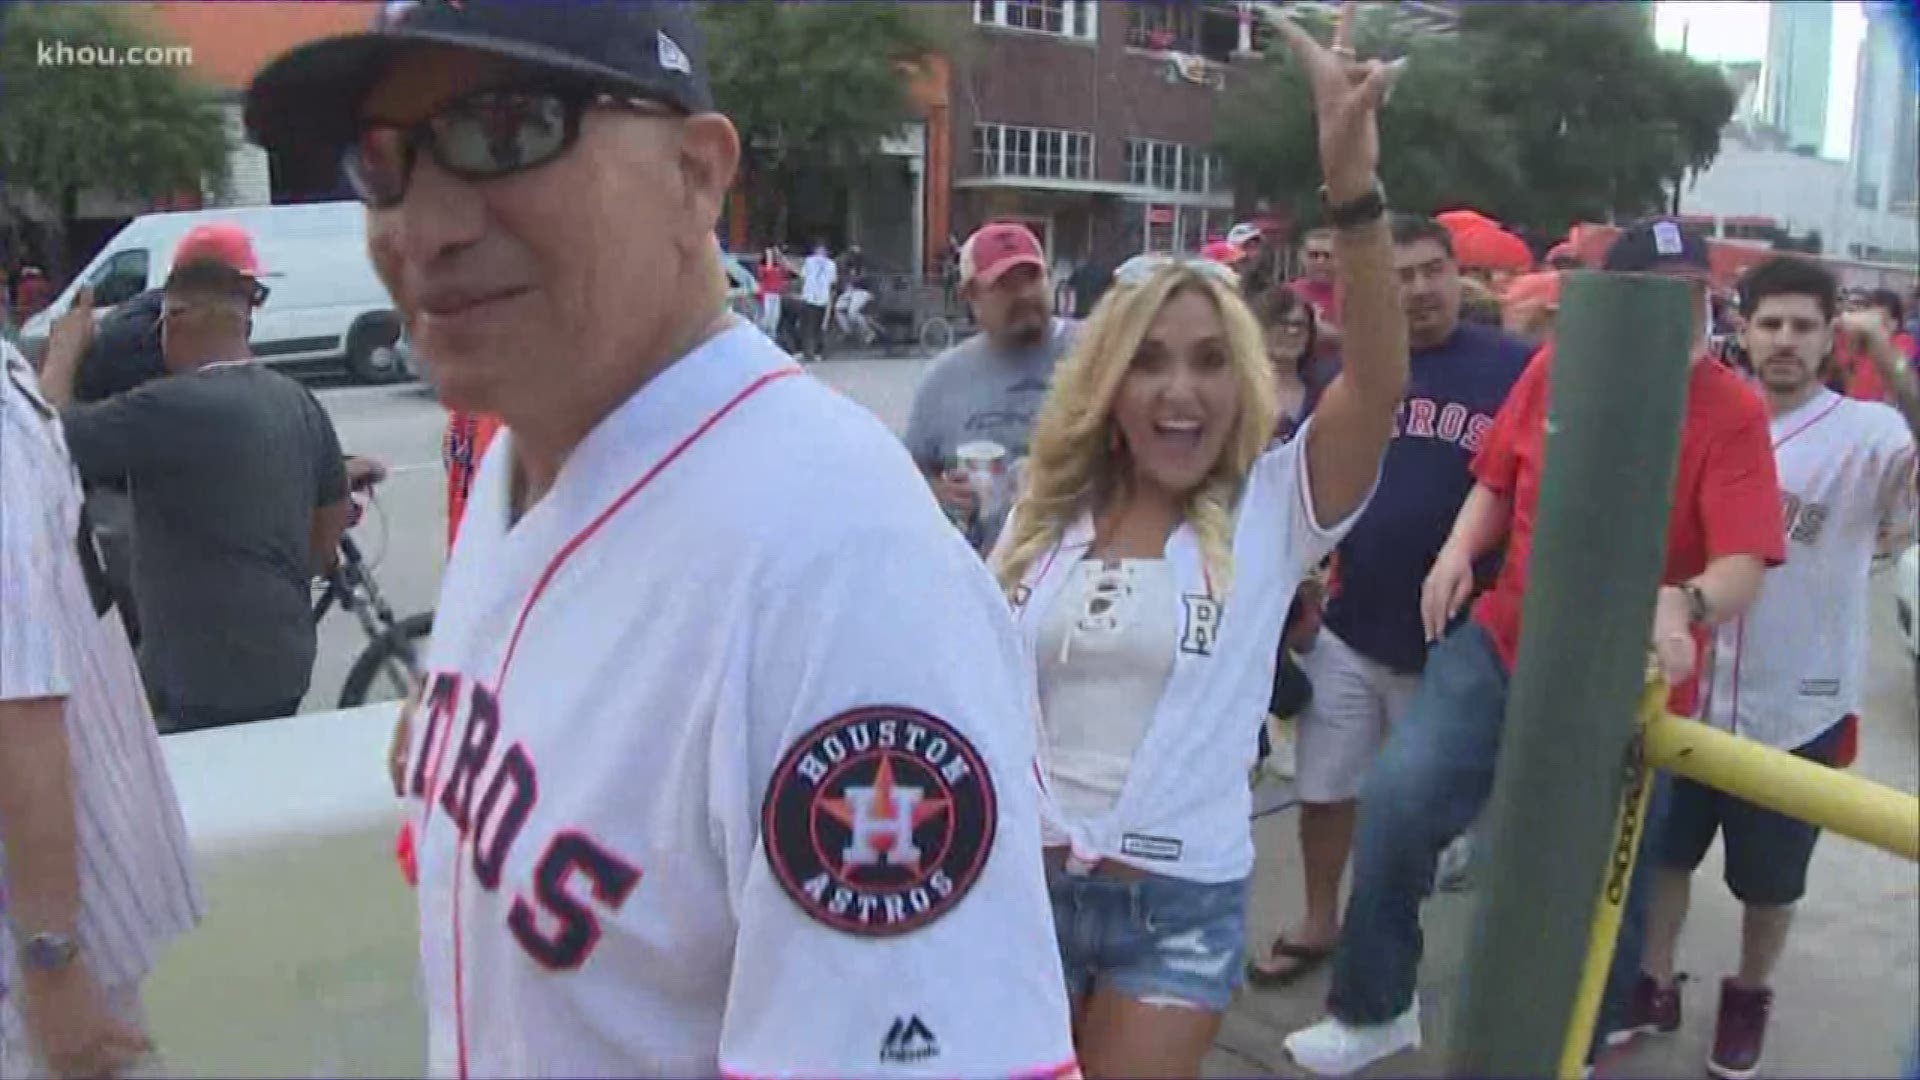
1092,122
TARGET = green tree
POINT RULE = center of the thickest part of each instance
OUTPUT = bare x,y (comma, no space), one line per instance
1603,120
1445,143
137,131
815,87
1538,114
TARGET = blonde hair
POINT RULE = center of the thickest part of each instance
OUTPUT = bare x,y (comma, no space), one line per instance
1077,462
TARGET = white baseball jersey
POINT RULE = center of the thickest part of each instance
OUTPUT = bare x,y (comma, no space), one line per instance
60,638
1184,806
1794,664
726,763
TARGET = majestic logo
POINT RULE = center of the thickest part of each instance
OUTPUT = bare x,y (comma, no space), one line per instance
907,1041
878,821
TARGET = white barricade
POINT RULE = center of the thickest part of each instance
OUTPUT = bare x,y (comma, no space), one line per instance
307,963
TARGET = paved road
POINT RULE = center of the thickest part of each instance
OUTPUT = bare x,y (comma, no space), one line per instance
1849,985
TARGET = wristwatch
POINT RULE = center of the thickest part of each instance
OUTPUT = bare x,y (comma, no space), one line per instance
1361,211
1698,612
47,951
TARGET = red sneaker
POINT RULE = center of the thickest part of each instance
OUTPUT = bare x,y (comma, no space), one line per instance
1655,1011
1740,1033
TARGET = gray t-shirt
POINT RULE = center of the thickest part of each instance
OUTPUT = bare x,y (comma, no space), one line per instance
226,467
975,392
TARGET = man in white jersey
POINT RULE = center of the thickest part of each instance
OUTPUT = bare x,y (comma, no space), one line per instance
1789,673
94,862
725,762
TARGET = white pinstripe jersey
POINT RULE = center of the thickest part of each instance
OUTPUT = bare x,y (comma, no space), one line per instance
136,883
1794,664
726,763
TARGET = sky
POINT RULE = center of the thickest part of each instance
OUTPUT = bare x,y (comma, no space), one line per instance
1737,30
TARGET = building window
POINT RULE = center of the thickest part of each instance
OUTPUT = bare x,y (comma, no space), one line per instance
1217,174
1866,193
1172,167
1042,153
1160,26
1209,28
1067,18
986,149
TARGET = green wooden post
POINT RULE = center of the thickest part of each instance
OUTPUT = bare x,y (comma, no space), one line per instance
1618,392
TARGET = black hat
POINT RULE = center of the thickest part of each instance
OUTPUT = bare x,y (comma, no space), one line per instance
651,50
1658,244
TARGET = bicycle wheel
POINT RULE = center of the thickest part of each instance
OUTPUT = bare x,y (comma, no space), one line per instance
936,334
387,668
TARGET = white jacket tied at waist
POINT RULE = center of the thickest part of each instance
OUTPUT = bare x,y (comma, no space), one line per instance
1184,807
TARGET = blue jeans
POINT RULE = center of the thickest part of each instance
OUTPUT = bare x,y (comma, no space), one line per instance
1427,786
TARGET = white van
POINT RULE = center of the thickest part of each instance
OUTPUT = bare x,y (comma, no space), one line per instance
324,301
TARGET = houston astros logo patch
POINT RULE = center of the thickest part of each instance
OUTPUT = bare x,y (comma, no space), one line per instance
878,821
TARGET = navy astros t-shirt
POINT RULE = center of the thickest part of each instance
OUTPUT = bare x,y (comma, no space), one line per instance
1454,391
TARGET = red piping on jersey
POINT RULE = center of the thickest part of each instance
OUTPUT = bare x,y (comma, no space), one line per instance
540,586
1066,1070
573,545
459,966
1740,624
1824,413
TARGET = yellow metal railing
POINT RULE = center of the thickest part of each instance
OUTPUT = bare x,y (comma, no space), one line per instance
1775,779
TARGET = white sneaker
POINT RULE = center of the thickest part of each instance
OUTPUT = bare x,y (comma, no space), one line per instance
1335,1048
1282,736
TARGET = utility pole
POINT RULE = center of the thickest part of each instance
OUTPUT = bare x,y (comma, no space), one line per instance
1613,436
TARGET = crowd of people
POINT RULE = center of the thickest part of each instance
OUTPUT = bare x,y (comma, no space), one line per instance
977,751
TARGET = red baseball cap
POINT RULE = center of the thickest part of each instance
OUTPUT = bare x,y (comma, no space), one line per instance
1223,251
220,242
995,249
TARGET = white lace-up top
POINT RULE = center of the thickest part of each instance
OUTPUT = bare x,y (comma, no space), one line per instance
1106,649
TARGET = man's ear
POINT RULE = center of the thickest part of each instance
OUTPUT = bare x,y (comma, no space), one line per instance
709,159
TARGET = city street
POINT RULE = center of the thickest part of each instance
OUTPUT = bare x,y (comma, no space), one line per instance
1848,980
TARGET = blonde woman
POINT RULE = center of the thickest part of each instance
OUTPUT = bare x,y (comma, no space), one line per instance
1151,557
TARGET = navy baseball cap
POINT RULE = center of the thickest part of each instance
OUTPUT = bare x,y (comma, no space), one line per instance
311,95
1659,245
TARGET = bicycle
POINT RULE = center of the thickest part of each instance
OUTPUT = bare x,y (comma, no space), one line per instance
396,647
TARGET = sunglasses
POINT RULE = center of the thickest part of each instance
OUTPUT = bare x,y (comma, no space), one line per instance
1141,267
485,135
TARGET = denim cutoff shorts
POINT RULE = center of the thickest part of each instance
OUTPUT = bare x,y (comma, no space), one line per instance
1161,940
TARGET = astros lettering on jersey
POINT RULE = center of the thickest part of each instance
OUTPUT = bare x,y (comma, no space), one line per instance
725,763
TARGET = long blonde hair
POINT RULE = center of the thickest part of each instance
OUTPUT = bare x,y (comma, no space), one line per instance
1078,461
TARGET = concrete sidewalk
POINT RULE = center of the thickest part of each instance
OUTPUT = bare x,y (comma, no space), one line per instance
1847,992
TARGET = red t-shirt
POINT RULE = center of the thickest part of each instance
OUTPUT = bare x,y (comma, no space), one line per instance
773,279
1863,380
468,436
1726,492
1323,295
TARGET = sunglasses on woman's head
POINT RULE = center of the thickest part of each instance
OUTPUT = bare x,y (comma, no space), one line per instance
1141,267
485,135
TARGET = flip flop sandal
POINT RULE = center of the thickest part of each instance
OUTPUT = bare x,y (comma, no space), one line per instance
1306,961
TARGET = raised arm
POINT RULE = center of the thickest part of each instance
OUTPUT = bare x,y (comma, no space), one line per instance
1354,420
